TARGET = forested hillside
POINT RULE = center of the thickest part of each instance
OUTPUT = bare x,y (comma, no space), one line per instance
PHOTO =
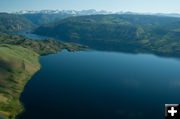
130,33
41,19
12,22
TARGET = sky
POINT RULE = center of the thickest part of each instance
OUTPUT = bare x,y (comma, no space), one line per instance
140,6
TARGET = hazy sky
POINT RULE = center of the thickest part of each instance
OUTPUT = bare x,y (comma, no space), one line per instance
163,6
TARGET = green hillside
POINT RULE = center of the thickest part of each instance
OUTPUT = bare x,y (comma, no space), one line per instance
128,33
17,65
12,22
18,62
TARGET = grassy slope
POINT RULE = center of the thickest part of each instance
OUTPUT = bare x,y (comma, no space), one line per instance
17,65
18,62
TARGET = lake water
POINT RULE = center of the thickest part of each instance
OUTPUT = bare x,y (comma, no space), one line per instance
102,85
29,35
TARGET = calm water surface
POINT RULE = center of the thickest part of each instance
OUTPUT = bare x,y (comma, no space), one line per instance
29,35
102,85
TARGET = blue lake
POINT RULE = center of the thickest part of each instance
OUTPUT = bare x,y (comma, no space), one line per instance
102,85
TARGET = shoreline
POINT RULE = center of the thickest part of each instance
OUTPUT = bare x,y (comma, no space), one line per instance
20,104
18,63
6,116
23,108
17,112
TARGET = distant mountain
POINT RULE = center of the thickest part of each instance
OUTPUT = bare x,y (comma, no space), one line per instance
72,12
126,32
49,16
14,22
30,19
43,17
92,12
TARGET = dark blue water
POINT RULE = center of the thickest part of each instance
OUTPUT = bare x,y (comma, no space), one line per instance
102,85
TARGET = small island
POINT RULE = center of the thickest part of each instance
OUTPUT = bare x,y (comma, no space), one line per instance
19,60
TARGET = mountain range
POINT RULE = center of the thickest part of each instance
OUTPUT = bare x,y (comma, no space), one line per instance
91,12
73,12
10,22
